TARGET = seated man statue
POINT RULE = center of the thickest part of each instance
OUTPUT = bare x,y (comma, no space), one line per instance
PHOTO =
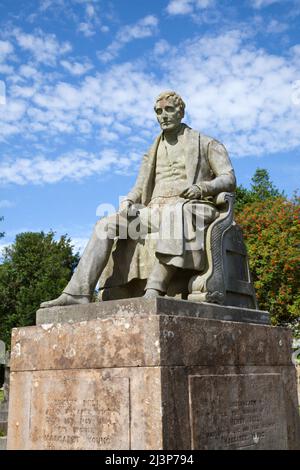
175,190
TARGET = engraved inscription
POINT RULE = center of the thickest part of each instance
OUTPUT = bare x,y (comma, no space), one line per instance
242,411
79,410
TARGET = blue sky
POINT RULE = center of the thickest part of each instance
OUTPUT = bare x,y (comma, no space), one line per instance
78,80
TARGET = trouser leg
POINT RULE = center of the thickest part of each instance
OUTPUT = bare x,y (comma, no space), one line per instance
92,262
160,276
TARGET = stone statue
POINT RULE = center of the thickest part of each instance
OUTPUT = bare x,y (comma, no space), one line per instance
174,197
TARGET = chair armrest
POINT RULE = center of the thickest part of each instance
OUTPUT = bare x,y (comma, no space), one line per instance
224,198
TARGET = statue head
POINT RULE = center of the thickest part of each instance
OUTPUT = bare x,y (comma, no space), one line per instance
169,108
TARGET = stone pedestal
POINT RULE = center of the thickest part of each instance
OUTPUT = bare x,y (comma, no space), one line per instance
152,374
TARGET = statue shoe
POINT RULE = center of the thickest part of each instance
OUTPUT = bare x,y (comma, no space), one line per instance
66,299
152,293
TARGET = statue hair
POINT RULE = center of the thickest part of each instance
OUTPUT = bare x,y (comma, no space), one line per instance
178,101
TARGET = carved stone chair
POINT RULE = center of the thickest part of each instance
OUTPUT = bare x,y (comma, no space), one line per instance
225,278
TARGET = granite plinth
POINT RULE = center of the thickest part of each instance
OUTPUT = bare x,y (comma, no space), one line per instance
142,380
157,306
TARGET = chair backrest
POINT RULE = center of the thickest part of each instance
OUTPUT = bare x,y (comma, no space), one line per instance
239,290
226,279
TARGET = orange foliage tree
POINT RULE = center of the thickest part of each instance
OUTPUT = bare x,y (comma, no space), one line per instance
271,231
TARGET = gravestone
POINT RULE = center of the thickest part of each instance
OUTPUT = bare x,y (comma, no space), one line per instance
152,374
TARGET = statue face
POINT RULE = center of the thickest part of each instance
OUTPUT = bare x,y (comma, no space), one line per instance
168,115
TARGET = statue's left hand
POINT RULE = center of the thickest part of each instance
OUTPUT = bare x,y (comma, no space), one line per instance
192,192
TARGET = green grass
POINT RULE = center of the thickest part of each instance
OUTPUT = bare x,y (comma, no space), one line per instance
1,395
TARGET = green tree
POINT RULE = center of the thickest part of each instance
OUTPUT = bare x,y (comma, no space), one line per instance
35,268
261,189
243,197
271,230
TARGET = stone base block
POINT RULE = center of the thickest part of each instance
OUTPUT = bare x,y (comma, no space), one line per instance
132,379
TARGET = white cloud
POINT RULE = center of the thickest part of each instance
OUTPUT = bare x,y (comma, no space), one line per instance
44,47
204,3
180,7
5,49
161,47
144,28
239,93
28,71
90,10
263,3
6,69
46,4
2,248
12,112
74,166
88,15
23,91
185,7
248,102
108,136
234,91
92,19
79,244
104,103
276,27
261,24
6,204
77,68
86,28
2,93
104,29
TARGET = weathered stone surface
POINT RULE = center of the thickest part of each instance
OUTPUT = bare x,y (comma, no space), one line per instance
163,416
140,381
154,340
177,416
141,306
86,409
237,411
79,410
